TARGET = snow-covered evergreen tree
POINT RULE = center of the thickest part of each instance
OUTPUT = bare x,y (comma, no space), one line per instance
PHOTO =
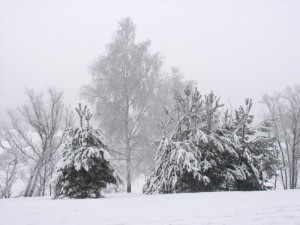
256,149
85,168
196,156
202,155
176,167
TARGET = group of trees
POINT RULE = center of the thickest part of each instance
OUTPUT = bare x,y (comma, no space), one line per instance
129,91
201,148
284,109
203,153
31,140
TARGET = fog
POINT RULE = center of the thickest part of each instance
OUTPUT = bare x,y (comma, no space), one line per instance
238,49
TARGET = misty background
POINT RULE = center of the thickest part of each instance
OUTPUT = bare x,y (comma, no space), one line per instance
238,49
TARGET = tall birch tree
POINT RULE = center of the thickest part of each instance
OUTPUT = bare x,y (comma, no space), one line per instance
123,81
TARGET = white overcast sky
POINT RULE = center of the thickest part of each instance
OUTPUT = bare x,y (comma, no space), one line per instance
238,49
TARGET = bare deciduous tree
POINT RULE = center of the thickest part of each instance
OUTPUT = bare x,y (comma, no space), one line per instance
8,170
34,132
284,109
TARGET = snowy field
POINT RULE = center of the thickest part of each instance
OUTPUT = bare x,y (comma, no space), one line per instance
232,208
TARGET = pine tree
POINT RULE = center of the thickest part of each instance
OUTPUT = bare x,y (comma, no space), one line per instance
195,157
85,168
203,155
255,148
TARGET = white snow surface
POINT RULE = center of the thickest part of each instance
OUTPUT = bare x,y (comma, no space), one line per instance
232,208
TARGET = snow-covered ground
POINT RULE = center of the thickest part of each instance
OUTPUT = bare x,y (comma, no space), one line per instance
232,208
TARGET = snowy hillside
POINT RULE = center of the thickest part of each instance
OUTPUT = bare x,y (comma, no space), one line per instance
232,208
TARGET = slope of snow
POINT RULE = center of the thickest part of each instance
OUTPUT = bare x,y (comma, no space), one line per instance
232,208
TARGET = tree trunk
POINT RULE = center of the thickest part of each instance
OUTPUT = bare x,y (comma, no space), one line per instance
293,169
296,176
128,164
33,186
294,173
43,180
39,191
283,176
128,176
127,146
34,179
29,183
